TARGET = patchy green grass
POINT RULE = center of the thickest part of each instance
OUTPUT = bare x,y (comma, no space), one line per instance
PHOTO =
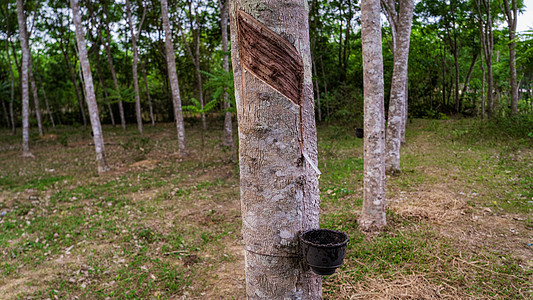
158,226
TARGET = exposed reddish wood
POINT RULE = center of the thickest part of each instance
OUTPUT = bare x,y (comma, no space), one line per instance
270,57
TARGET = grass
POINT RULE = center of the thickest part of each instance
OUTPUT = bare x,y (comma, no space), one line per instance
159,226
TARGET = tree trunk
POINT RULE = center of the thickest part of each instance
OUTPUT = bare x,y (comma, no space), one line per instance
89,89
487,40
228,127
107,47
482,88
35,96
512,16
469,75
401,20
50,115
24,80
196,57
317,90
12,82
373,215
148,94
104,89
134,67
277,145
6,114
173,78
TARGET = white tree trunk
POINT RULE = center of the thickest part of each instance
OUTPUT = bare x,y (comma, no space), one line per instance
275,110
24,80
401,20
134,69
173,78
228,127
89,89
373,215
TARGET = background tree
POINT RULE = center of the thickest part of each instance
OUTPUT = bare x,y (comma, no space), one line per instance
373,215
89,89
173,78
400,16
24,80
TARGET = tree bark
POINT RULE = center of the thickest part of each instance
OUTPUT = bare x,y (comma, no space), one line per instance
107,47
134,37
89,89
279,187
24,80
373,215
401,20
228,127
173,78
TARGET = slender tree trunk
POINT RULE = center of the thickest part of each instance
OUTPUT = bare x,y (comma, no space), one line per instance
512,16
173,78
24,80
279,187
12,82
228,127
148,94
134,67
469,75
402,21
50,115
373,215
319,109
487,40
35,96
6,114
104,89
89,89
107,47
196,56
72,73
482,88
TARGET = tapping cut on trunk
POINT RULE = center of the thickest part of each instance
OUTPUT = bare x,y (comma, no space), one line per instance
270,57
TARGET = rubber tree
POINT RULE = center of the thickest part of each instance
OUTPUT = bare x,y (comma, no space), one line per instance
134,37
228,127
373,215
173,78
271,62
400,16
487,42
21,17
511,15
89,89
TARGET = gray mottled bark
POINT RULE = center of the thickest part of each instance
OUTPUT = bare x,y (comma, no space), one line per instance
24,80
401,20
89,89
173,78
279,188
134,37
373,215
35,92
228,127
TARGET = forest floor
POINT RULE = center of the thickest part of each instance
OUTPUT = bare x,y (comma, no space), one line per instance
158,226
